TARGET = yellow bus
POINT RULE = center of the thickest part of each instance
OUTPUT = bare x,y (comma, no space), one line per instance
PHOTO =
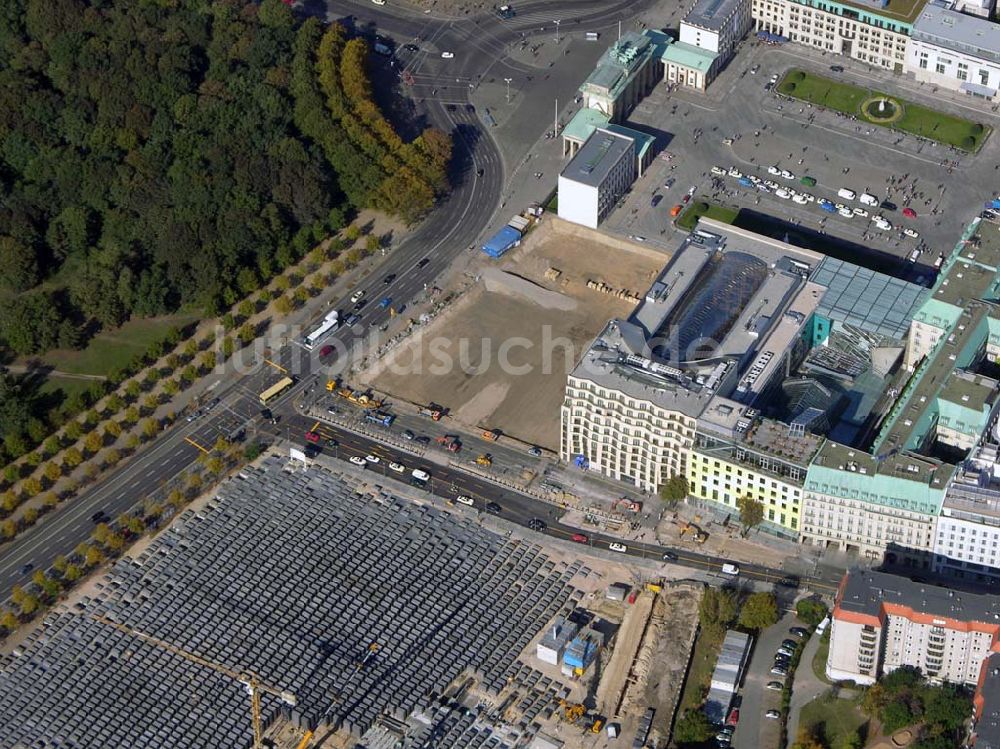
275,390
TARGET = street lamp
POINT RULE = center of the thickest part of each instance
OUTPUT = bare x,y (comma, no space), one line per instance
508,80
557,29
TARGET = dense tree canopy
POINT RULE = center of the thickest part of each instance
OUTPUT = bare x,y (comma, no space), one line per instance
154,155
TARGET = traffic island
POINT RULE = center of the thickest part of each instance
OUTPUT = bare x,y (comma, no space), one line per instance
877,108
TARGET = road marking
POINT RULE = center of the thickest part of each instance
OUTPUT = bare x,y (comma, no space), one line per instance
192,442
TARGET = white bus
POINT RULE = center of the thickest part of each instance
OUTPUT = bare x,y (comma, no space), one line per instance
324,329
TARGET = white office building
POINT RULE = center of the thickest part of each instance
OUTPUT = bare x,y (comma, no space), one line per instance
857,29
716,26
595,179
955,50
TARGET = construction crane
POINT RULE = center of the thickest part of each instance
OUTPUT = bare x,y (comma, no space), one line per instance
248,678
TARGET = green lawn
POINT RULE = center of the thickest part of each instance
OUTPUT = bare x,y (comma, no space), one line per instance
832,718
699,208
114,349
699,676
916,119
819,660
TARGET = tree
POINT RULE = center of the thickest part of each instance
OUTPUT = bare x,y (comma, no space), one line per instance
31,487
20,269
150,428
59,564
72,573
811,611
896,715
371,243
93,442
751,511
674,490
131,415
718,608
759,611
9,621
74,430
945,706
112,431
133,389
693,727
52,471
72,457
807,739
283,305
246,333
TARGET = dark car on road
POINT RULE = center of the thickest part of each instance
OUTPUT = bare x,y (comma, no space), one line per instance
358,306
493,508
656,200
99,517
25,569
411,47
389,279
799,632
423,262
669,556
888,205
351,319
837,68
326,350
423,439
537,524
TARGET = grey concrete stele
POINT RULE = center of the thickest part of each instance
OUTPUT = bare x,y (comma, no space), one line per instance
292,574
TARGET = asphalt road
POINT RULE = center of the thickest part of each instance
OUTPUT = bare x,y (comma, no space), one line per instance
518,508
458,221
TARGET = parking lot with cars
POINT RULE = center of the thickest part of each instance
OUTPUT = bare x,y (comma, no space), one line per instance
925,192
760,706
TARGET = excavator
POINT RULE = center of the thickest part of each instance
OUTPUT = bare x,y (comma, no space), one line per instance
485,460
572,711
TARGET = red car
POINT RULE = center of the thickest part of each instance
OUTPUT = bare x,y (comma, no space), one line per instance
312,437
734,717
909,213
686,198
579,538
326,351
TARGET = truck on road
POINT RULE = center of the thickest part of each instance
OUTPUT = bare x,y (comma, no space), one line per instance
380,417
433,410
450,442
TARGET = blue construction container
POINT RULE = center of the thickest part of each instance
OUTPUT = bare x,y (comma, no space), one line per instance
580,654
504,240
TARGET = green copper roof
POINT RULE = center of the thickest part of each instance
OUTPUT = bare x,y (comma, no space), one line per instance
584,122
689,56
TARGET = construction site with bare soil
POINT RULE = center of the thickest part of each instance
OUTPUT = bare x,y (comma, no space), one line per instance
499,353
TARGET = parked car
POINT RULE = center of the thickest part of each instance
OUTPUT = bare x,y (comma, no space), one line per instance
799,631
911,232
676,210
464,500
535,452
423,439
397,467
656,200
669,556
447,55
779,670
579,538
408,435
837,68
537,524
359,461
493,508
790,644
808,181
734,717
374,459
773,714
774,686
615,546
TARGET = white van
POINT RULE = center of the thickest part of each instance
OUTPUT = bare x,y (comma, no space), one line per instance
730,569
464,500
869,200
846,194
421,476
823,625
592,36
